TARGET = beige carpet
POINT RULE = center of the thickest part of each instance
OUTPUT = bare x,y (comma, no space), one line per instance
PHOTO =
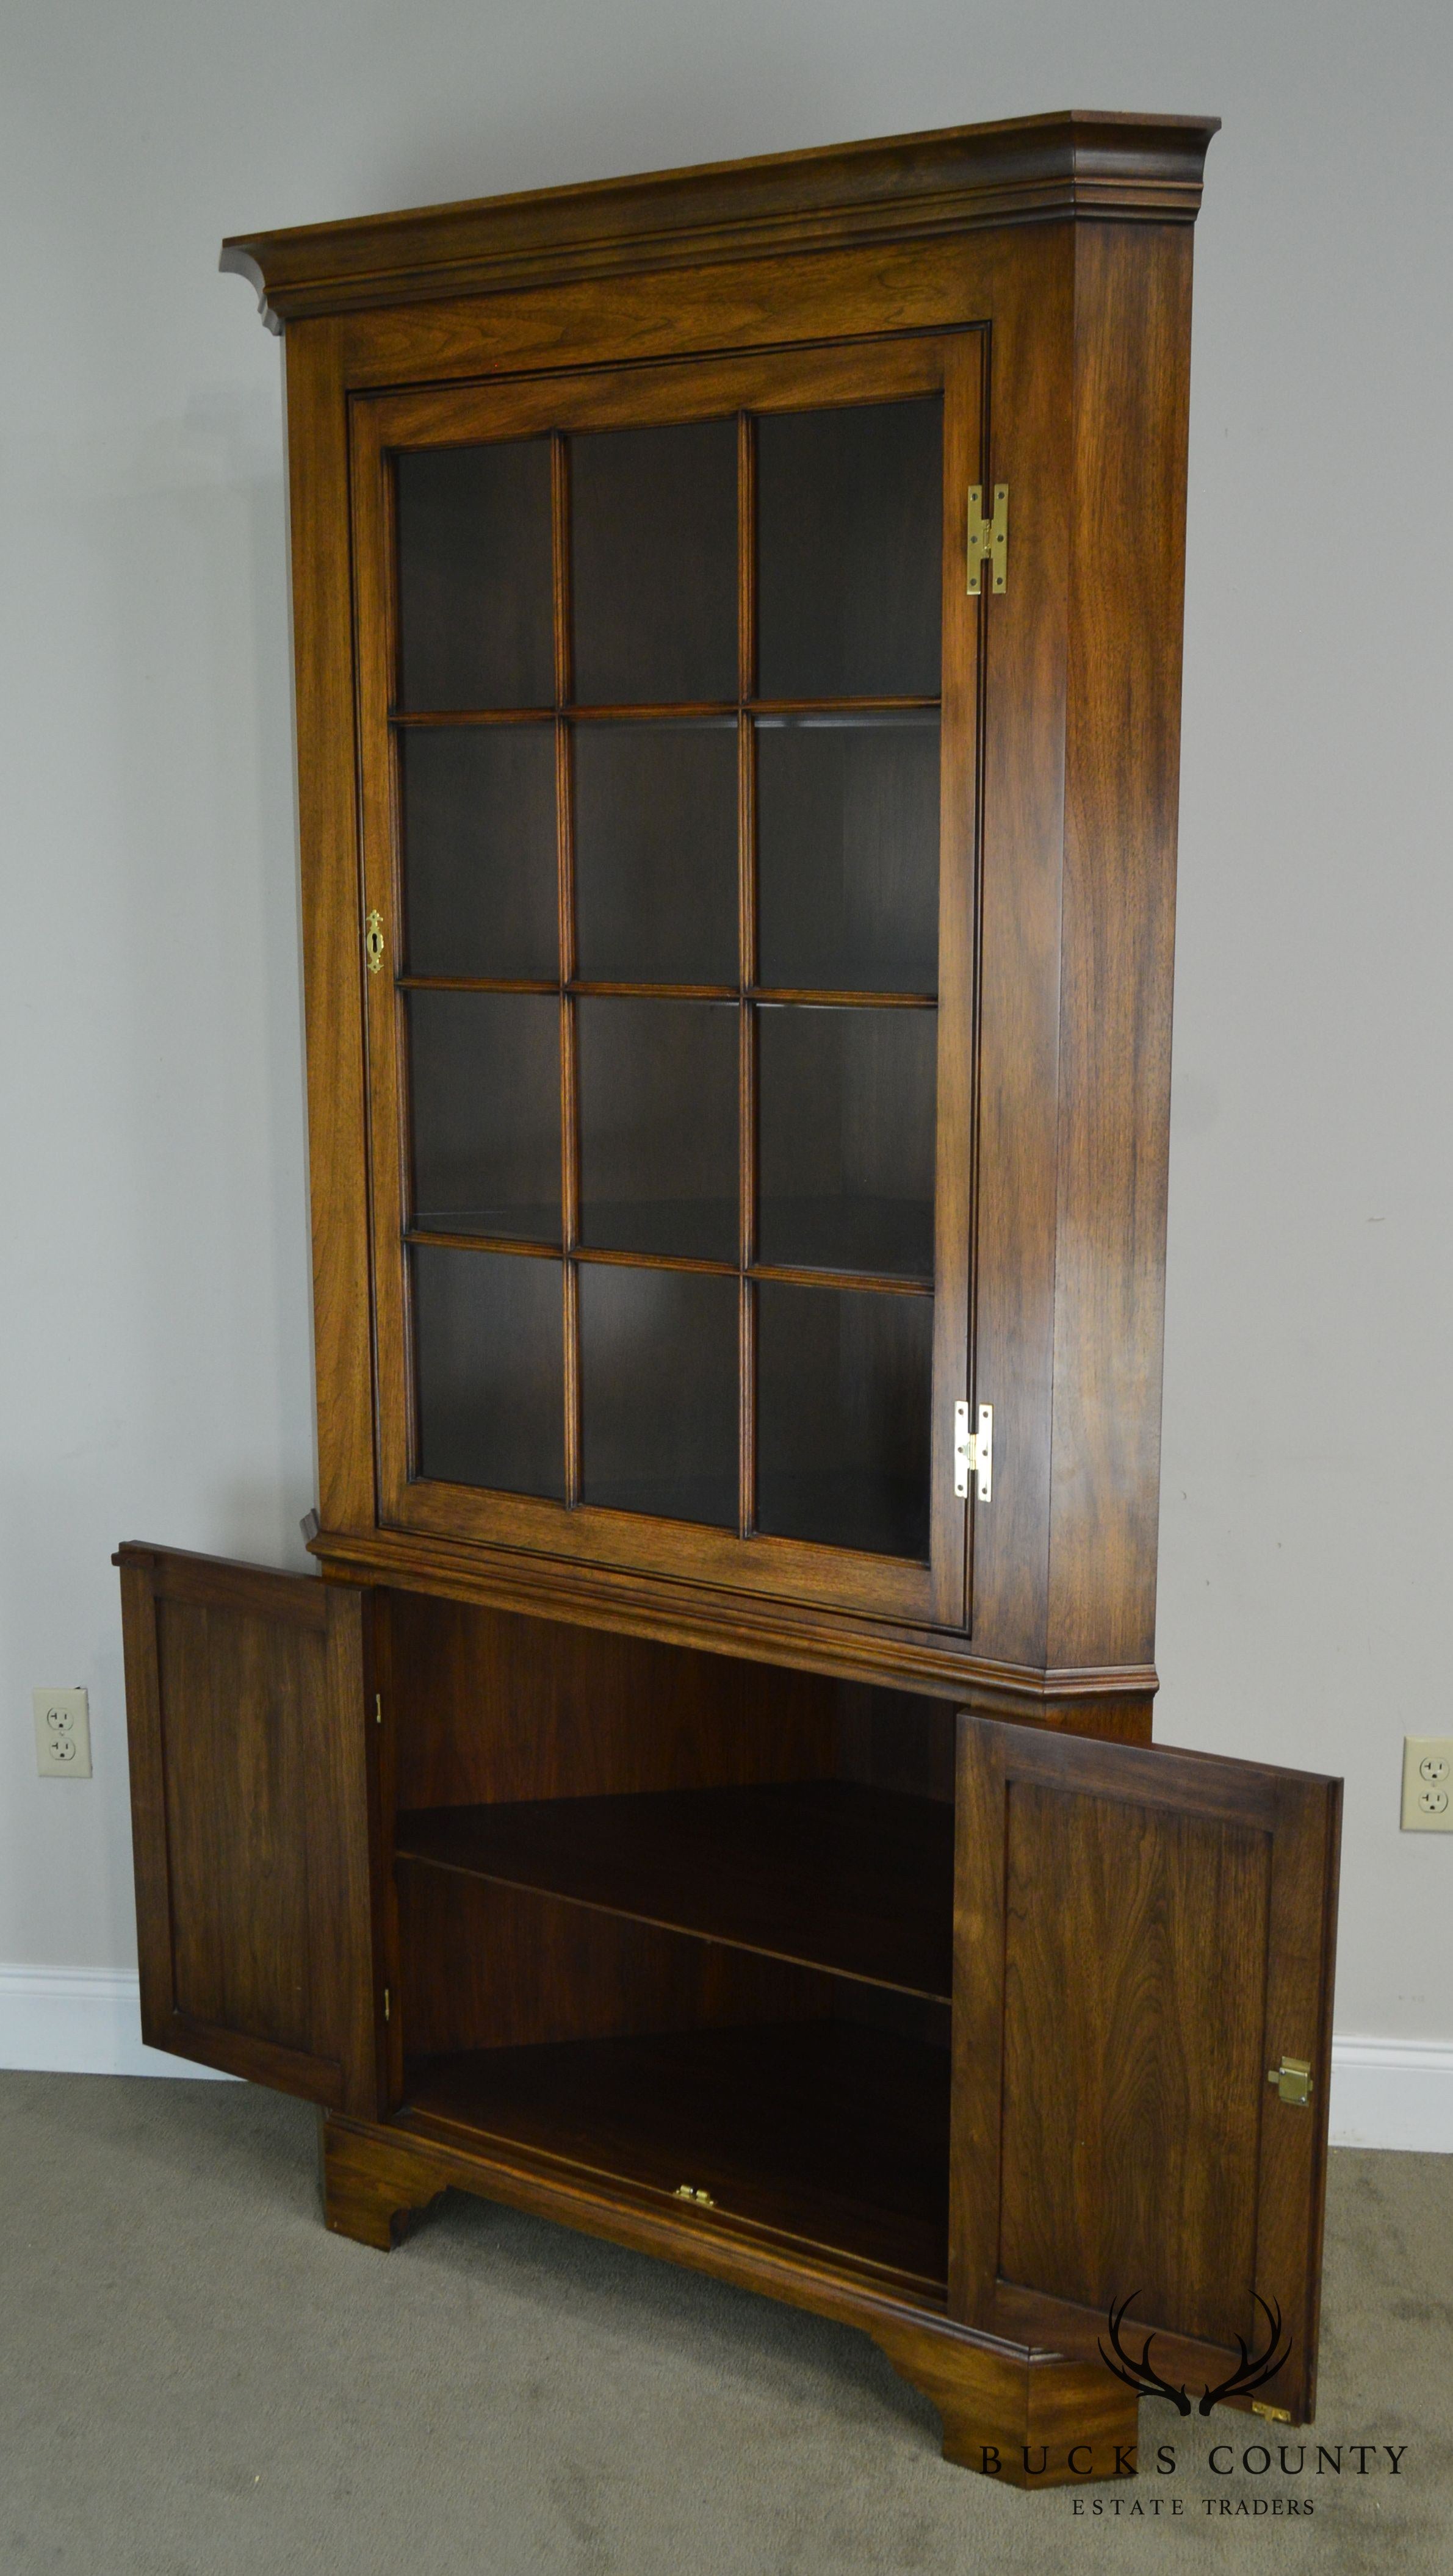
197,2380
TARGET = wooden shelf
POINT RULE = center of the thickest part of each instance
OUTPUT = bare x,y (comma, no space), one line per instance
857,1881
822,2132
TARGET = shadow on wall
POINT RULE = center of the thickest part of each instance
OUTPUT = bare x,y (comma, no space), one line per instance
216,1199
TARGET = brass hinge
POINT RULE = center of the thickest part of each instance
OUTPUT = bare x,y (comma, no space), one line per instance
373,942
1273,2414
387,2004
693,2191
378,1708
988,539
974,1452
1293,2081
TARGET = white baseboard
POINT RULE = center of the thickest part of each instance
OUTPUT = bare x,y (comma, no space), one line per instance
87,2021
80,2021
1393,2093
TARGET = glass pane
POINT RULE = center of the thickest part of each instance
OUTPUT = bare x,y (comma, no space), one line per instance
658,1367
847,843
485,1087
489,1369
843,1388
480,876
476,616
656,853
654,543
658,1127
849,535
846,1139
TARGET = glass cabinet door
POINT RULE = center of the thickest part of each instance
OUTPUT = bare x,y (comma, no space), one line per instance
668,698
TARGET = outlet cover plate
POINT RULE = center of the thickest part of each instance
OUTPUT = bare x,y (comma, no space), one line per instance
62,1734
1428,1784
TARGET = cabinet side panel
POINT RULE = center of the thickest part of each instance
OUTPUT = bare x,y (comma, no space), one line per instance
332,921
1028,447
1132,353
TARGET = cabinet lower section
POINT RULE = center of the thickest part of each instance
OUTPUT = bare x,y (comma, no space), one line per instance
1030,2417
955,2030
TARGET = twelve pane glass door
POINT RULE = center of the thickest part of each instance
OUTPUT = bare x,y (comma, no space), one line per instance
666,817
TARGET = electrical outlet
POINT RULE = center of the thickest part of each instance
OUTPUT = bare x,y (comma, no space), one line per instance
62,1734
1428,1784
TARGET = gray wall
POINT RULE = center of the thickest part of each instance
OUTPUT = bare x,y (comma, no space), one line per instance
155,1343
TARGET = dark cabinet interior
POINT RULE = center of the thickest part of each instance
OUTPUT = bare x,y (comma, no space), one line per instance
667,750
681,1918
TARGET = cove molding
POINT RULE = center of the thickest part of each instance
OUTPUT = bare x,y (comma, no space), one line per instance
87,2021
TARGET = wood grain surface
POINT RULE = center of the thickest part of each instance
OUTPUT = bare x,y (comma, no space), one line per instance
1140,1934
245,1696
1025,169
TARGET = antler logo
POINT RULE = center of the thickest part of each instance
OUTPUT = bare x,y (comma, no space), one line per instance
1252,2371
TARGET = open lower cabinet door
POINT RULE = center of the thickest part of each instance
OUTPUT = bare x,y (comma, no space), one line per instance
1144,1948
246,1700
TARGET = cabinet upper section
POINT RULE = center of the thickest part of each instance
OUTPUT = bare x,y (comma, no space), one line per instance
1031,169
737,917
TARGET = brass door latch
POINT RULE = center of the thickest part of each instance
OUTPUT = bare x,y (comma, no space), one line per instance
1293,2081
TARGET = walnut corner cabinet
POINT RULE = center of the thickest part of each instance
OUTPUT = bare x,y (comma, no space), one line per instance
705,1794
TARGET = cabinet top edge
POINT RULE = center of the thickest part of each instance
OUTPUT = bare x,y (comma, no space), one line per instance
1074,163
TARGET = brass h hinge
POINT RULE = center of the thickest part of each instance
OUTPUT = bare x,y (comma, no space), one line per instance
974,1452
988,539
373,942
1293,2081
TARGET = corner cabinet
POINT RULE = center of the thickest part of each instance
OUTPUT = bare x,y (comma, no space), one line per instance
708,1796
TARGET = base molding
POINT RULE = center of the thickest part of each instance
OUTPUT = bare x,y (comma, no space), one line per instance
1027,2417
1394,2093
1030,2421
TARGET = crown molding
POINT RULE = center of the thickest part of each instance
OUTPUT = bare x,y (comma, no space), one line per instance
1077,164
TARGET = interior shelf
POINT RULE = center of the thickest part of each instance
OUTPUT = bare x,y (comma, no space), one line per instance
823,1872
825,2132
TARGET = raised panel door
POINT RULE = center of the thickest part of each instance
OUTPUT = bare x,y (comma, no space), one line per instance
247,1716
1142,1938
